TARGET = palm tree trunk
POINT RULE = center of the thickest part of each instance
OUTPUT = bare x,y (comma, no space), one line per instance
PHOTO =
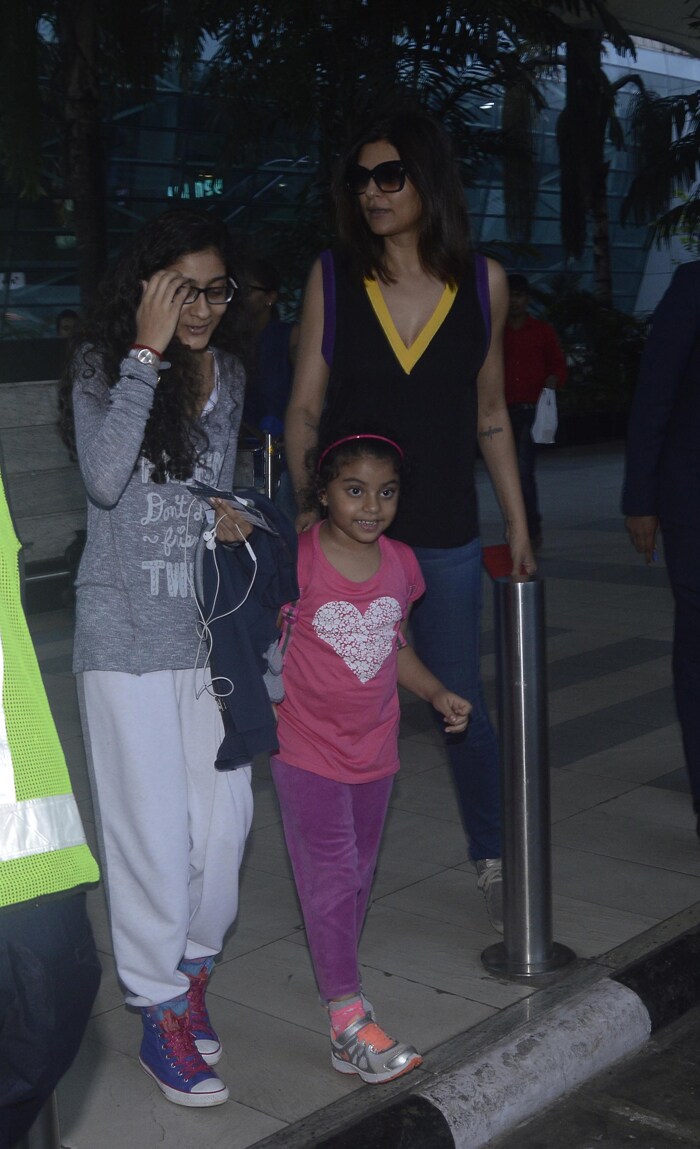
602,269
78,39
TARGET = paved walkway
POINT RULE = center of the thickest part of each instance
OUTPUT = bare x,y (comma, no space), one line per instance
625,857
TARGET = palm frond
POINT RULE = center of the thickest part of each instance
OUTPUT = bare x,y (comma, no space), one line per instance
666,134
20,135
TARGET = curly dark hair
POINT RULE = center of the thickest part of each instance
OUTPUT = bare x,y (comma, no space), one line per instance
171,441
444,239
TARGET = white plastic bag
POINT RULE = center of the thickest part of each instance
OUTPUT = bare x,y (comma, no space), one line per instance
544,427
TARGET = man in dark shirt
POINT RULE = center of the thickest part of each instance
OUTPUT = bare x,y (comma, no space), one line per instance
662,484
533,360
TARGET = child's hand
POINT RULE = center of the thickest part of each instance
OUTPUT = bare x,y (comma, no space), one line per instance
231,527
455,710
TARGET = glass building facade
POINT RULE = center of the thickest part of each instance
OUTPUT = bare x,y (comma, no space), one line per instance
167,148
662,70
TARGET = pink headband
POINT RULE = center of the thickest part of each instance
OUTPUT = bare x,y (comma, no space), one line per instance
351,438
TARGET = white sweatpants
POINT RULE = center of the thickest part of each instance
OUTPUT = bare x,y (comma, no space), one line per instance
172,829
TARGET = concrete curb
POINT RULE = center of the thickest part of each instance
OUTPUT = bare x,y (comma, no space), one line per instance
515,1079
483,1083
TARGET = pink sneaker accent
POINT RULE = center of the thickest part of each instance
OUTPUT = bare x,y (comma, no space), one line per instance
343,1015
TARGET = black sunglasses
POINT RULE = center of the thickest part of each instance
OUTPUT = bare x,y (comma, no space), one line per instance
388,177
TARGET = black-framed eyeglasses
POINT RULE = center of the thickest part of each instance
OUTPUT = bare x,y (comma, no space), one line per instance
389,177
214,293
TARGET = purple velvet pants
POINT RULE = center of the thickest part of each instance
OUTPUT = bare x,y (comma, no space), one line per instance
333,831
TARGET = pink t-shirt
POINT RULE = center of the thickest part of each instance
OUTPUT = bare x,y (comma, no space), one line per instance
340,713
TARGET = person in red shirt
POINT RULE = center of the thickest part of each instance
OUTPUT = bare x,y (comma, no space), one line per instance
533,359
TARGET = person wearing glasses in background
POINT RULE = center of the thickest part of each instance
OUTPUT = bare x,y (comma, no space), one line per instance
402,324
151,400
270,374
270,377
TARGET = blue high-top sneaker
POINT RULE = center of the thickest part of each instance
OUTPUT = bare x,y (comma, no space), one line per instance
206,1038
169,1055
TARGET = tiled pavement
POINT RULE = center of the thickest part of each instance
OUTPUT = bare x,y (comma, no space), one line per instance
625,855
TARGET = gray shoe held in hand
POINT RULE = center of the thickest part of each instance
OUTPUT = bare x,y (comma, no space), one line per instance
490,882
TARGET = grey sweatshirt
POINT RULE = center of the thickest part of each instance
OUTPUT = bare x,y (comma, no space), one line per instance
135,605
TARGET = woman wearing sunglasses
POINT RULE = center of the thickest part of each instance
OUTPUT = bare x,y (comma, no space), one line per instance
153,398
402,324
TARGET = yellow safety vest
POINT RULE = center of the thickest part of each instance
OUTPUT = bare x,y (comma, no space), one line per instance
42,842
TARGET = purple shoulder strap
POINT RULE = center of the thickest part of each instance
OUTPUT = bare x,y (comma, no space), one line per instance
482,287
328,269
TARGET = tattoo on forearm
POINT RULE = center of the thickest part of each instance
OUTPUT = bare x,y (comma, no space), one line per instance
490,432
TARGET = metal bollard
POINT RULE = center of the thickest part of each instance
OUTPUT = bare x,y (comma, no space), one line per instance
527,949
269,466
45,1132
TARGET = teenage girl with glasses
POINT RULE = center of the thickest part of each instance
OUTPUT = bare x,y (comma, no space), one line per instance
153,398
403,324
345,651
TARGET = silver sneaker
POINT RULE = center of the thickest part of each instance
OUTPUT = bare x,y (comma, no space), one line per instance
490,882
355,1050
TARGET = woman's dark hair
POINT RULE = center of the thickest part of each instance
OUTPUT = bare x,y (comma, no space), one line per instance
344,445
170,441
444,243
265,274
265,271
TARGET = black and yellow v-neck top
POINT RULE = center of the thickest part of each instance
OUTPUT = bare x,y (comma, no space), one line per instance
425,394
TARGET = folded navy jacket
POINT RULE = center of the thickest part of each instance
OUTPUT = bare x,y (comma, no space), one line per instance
242,622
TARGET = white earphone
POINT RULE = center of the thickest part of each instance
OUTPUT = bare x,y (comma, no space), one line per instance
219,687
247,546
209,537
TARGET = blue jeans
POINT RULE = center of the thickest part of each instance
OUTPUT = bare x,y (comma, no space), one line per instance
682,554
49,976
522,416
445,626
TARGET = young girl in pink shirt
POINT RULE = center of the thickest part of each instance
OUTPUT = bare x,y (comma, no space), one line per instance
338,726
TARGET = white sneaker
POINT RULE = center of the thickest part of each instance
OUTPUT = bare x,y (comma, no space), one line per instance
490,882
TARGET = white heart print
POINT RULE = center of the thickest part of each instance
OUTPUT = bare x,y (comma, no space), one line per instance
363,641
